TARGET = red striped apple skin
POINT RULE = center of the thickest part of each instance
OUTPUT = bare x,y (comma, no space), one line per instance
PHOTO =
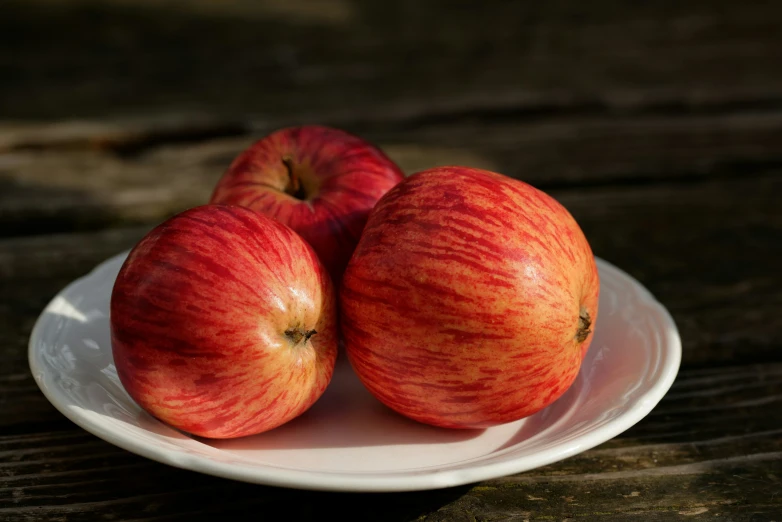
340,177
209,315
469,300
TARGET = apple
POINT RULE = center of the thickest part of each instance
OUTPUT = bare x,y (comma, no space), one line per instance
321,182
223,323
470,299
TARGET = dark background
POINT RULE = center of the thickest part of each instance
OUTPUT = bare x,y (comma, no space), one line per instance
658,125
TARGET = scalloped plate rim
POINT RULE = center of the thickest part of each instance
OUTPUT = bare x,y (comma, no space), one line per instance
387,480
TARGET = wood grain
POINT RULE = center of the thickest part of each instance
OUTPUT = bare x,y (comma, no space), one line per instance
81,177
397,60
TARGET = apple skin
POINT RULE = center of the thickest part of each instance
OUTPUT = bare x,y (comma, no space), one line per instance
213,317
469,300
321,182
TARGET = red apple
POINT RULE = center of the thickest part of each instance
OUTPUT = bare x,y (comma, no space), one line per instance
223,323
470,299
321,182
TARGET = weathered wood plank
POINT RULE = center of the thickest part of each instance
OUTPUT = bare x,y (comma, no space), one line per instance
712,464
56,188
730,492
721,491
47,256
124,136
121,57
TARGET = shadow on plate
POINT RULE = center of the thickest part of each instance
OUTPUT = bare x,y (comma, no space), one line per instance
347,415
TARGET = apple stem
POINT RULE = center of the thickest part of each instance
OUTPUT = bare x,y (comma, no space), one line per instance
299,336
584,322
294,187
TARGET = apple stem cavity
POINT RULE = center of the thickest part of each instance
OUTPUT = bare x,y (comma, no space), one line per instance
584,322
294,187
298,336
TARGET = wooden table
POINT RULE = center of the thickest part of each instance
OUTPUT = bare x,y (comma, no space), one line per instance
658,125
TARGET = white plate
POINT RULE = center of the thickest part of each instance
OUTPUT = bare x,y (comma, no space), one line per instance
348,441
